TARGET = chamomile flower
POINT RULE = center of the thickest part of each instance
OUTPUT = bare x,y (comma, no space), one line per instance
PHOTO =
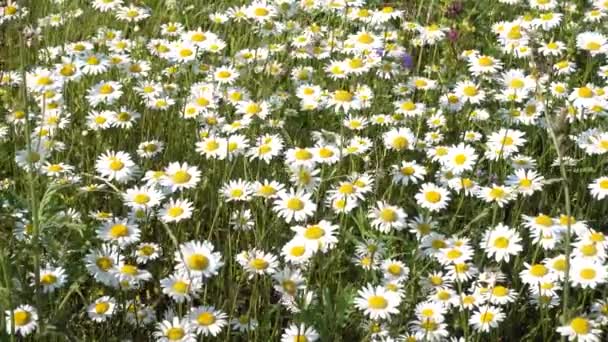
24,318
294,205
376,302
207,320
501,242
582,329
180,176
101,309
257,262
432,197
387,217
198,258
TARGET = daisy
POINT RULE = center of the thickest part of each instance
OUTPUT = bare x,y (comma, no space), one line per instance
51,278
294,205
587,273
142,197
300,333
386,217
175,330
105,92
180,176
399,139
408,172
535,274
116,166
593,42
100,262
377,302
496,194
320,236
432,197
298,250
207,320
526,182
237,190
257,262
599,188
394,270
25,319
101,309
501,242
181,287
176,210
582,329
150,149
119,231
469,91
486,318
459,158
147,251
198,258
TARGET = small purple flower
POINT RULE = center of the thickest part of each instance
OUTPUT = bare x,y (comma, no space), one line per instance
379,52
408,60
453,35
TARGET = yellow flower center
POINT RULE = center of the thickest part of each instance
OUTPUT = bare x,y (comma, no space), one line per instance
486,317
388,215
180,287
588,273
432,196
175,211
205,318
485,61
106,89
343,96
119,230
295,204
501,242
314,233
470,91
141,199
181,177
261,12
580,325
303,154
365,38
377,302
175,334
538,270
297,251
48,279
585,92
258,264
102,307
21,317
400,143
104,263
198,262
